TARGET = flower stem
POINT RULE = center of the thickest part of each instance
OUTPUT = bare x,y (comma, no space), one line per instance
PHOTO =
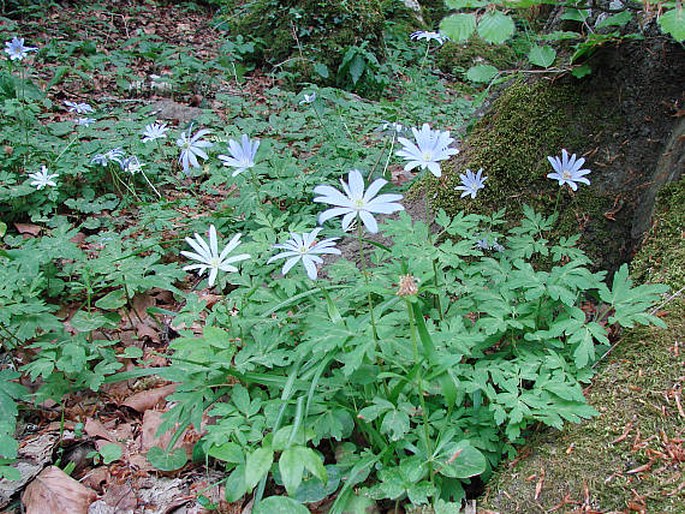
419,385
366,279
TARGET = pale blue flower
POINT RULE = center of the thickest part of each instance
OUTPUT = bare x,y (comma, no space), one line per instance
16,50
391,129
568,170
43,178
154,131
192,147
482,244
428,36
432,146
84,122
208,255
79,107
355,203
471,183
114,155
307,99
242,155
131,165
304,247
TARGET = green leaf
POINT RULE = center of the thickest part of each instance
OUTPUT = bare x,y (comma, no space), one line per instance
321,70
313,490
581,71
495,27
542,56
257,465
235,484
461,460
292,468
110,452
167,460
357,68
572,14
465,4
228,452
673,23
84,321
3,229
279,505
132,352
112,300
615,20
395,424
458,27
631,303
482,73
313,463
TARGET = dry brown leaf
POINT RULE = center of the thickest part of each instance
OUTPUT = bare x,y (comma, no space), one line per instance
141,302
152,419
28,228
96,429
146,400
55,492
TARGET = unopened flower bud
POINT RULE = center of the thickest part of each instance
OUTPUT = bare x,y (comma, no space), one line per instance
408,286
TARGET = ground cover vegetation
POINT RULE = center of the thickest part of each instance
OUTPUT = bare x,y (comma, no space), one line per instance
326,346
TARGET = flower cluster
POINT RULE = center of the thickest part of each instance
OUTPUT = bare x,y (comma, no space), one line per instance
354,202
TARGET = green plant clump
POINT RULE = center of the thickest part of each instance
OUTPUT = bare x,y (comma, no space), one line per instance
417,367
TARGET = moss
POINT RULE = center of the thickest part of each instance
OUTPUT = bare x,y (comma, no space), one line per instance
661,262
307,31
456,58
639,427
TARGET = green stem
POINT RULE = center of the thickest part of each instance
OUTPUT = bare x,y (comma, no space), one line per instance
366,279
419,384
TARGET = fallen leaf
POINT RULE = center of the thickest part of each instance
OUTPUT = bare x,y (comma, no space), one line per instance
146,400
28,228
55,492
95,429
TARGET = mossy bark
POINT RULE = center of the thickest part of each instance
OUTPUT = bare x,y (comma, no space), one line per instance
619,119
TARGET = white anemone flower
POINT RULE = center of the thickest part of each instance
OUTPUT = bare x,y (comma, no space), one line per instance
432,146
131,165
43,178
428,36
304,247
16,50
192,148
471,183
154,131
355,203
242,155
209,258
307,99
568,170
84,122
79,107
